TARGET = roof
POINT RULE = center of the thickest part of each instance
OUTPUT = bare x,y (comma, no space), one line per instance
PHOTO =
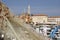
39,15
54,17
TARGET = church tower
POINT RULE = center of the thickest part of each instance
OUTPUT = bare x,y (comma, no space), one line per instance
28,9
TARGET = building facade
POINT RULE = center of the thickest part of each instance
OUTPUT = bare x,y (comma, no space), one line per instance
54,19
39,18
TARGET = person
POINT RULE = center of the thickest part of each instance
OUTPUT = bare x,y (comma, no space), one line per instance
41,31
45,31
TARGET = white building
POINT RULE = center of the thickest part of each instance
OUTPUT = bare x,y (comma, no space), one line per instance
39,18
54,19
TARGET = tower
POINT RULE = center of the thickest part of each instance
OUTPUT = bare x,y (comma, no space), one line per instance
28,9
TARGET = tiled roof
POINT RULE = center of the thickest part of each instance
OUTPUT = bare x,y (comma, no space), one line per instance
39,15
54,17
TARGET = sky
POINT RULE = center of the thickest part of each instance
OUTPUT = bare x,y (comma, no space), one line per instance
49,7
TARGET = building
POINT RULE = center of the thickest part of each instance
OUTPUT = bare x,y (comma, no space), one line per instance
54,19
39,18
26,17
